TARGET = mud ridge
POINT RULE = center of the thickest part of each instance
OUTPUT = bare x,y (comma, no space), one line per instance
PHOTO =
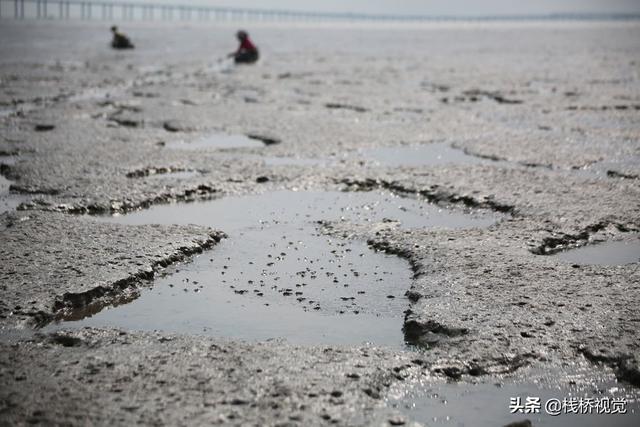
339,106
536,165
491,157
74,301
265,139
615,174
386,247
144,172
415,331
433,195
124,119
625,366
176,126
7,153
495,96
497,366
201,192
17,188
552,245
475,95
620,107
430,333
5,170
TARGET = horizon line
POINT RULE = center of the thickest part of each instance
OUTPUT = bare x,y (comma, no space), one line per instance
555,16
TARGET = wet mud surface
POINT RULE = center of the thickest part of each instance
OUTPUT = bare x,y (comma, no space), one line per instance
180,379
471,171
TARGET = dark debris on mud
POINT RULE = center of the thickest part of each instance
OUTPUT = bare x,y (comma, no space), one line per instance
432,195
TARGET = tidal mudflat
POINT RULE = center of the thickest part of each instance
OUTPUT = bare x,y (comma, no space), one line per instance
349,232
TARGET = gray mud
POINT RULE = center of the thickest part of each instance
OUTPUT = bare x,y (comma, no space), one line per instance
297,161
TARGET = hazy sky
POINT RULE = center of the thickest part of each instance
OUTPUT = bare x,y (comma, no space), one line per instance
432,7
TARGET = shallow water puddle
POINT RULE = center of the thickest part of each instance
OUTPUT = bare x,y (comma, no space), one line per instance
6,112
8,160
296,161
177,175
619,252
217,142
91,94
433,154
276,282
277,277
4,194
233,213
10,201
482,404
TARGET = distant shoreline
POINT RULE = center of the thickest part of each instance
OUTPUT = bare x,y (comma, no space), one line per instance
142,11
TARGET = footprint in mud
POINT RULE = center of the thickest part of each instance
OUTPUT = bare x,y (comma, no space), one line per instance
276,276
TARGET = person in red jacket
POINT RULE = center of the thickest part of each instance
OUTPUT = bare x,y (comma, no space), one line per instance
247,52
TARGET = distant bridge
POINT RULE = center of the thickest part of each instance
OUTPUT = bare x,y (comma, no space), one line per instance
110,10
129,11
